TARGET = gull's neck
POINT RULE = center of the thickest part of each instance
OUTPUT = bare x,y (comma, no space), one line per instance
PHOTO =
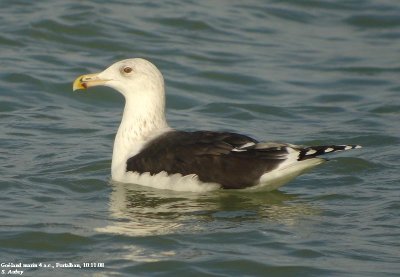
143,119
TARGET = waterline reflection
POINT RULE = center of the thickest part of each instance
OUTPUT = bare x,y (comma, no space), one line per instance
143,211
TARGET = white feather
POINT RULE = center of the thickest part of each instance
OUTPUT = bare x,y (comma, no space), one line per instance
175,182
278,177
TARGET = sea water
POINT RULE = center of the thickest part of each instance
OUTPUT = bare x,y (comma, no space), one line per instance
305,72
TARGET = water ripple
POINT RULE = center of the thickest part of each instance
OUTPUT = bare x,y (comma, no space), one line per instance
308,72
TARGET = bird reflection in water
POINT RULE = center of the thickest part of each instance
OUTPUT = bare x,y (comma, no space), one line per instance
144,211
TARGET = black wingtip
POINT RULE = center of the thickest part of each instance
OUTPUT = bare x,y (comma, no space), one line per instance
314,151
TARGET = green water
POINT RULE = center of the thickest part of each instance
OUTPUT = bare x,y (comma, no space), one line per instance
305,72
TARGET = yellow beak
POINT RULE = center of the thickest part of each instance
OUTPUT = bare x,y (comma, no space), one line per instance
87,81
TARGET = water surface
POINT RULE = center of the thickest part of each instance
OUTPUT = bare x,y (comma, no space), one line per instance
305,72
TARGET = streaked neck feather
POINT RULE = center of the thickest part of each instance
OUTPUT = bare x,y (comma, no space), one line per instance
142,120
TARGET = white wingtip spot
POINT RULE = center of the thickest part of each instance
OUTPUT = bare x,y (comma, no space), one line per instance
348,147
243,147
358,147
329,149
248,144
238,150
311,151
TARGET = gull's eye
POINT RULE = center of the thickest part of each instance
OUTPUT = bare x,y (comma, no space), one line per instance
127,69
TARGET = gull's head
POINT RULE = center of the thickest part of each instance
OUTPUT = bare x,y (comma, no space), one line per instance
129,77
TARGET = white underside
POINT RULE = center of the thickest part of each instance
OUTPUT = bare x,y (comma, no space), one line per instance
277,178
268,181
162,180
